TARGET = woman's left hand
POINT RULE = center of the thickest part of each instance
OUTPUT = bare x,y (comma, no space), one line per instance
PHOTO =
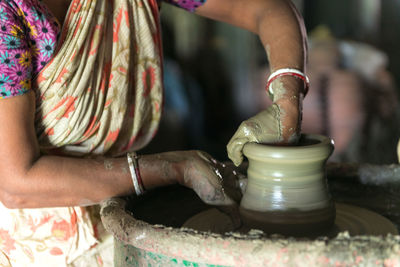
278,124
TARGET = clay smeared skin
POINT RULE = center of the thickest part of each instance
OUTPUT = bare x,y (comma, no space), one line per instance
265,127
281,30
214,182
210,179
289,102
108,164
279,123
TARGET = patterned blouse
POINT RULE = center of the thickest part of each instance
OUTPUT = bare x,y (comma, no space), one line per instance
28,40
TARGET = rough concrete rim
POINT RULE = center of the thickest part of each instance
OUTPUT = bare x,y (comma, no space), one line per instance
244,250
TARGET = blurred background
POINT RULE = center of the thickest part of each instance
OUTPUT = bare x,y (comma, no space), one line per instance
215,76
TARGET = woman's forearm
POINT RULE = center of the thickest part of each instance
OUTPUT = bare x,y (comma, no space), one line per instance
31,180
283,35
63,181
276,22
54,181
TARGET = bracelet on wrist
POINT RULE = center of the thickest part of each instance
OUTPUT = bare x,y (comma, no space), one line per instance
135,173
287,72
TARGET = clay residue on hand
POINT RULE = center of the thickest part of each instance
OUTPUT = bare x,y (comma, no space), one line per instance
268,50
278,90
280,113
294,138
265,127
287,102
108,165
280,93
208,188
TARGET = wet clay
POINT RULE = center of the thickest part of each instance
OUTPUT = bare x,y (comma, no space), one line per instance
310,223
287,187
349,218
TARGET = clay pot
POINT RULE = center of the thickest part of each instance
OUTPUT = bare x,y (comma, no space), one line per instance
287,191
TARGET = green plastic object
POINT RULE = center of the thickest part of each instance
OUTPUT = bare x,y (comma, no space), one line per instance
129,256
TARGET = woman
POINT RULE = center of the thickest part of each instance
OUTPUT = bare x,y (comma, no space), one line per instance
76,100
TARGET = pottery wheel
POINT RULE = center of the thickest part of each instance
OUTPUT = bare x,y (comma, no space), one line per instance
355,220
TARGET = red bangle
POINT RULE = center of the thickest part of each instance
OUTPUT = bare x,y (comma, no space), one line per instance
288,72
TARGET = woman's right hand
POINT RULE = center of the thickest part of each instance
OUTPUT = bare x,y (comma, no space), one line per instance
214,182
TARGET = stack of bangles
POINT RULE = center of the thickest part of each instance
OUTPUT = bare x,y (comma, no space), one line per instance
288,72
135,173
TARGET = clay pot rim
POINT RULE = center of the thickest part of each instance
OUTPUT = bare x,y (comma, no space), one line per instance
322,149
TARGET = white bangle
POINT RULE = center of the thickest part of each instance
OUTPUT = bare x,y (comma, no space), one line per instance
135,175
291,72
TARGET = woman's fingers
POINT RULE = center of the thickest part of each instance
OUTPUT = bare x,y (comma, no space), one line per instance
235,147
215,182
